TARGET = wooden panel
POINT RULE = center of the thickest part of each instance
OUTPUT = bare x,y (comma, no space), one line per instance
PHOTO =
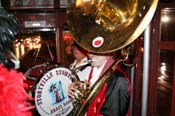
167,23
32,4
161,93
36,20
173,97
167,45
165,82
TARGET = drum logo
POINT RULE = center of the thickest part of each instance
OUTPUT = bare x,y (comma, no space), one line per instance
51,94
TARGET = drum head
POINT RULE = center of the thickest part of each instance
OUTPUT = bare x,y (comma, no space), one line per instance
51,93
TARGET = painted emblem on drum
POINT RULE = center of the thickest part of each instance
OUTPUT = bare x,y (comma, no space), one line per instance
97,42
51,94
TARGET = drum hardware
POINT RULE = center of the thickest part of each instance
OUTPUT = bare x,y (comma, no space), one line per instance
104,26
39,68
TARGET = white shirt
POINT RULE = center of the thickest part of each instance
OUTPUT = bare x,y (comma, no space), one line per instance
96,74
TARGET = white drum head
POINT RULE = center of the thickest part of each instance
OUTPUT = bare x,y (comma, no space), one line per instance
51,93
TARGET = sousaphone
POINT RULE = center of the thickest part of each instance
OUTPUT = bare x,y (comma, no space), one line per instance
103,26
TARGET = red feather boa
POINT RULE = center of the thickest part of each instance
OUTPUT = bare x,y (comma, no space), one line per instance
14,101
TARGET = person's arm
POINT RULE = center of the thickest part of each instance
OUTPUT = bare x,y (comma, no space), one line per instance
118,97
124,96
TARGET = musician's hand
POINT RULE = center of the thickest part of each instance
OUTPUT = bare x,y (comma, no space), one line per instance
73,87
77,89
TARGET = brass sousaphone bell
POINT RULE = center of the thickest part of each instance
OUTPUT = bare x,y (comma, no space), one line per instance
111,24
103,26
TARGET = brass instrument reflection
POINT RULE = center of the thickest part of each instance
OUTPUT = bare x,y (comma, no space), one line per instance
112,17
107,14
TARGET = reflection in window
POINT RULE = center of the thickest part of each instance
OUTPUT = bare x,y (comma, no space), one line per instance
165,82
167,25
33,48
22,46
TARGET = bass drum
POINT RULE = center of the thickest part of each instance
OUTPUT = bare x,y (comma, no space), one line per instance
51,93
34,73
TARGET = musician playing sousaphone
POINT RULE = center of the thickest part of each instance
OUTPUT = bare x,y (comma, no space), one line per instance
103,27
114,98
